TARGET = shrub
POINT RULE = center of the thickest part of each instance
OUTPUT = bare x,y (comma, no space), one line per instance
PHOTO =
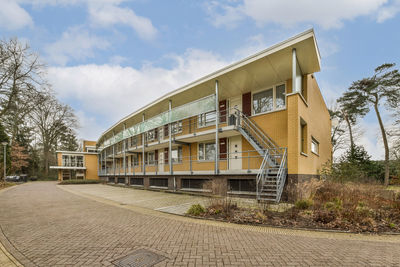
303,204
196,210
84,181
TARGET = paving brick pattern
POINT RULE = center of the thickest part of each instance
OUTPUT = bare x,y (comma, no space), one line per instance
48,226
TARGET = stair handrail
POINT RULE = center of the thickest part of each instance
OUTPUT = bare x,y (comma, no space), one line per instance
261,173
260,134
281,176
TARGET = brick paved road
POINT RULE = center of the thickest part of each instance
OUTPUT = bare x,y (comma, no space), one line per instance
44,225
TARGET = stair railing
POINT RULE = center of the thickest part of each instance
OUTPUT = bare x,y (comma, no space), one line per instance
247,124
260,179
281,176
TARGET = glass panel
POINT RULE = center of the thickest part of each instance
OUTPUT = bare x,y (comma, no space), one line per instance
201,151
179,113
65,160
210,151
73,161
263,101
280,96
79,161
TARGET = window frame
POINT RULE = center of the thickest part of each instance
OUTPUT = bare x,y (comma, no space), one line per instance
204,159
314,141
179,159
273,87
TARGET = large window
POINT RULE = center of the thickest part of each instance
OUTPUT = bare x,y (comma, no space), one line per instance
176,127
271,99
206,119
72,160
206,151
176,155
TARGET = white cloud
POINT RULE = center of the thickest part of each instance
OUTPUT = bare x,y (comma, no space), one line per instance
108,13
327,14
112,92
75,43
13,16
389,11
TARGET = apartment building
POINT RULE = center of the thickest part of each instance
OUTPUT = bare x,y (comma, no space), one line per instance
81,164
251,127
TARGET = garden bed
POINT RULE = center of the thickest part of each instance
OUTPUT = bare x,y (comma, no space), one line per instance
330,206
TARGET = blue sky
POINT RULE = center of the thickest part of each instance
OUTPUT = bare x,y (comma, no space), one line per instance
107,58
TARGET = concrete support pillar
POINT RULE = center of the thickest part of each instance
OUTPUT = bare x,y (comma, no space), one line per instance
124,148
216,128
143,144
171,171
294,71
113,148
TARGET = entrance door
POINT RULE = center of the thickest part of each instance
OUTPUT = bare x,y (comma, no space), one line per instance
161,160
235,155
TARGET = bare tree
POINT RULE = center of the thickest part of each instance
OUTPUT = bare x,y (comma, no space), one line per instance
51,120
21,74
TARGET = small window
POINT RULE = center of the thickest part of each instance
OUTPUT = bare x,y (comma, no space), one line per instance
206,119
176,155
280,97
303,136
206,151
314,146
150,160
134,160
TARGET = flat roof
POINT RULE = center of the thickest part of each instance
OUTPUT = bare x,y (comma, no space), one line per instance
278,59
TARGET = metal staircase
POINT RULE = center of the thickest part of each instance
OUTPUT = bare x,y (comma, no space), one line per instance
272,174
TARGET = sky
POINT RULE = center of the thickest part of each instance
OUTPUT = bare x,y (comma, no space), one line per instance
108,58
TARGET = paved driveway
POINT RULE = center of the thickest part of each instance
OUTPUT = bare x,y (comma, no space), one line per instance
44,225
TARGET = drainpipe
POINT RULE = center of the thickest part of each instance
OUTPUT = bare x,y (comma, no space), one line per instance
171,171
143,142
216,128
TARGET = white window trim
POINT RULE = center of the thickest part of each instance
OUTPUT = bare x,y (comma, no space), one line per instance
313,139
274,109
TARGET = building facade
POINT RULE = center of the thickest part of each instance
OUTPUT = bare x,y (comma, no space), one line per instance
249,128
82,164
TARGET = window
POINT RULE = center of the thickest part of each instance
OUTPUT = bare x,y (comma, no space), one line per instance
159,182
133,141
65,160
177,155
271,99
193,183
206,151
150,158
206,119
151,135
73,161
244,185
79,161
314,146
303,136
134,160
280,101
176,127
263,101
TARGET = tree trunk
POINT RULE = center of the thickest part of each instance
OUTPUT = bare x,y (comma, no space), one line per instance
385,144
350,133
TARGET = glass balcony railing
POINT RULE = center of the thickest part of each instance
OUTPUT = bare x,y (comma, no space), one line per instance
200,106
